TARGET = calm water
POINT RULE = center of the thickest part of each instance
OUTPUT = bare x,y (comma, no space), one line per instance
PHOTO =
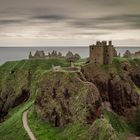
18,53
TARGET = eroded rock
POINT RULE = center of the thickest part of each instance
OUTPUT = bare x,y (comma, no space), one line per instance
116,87
65,98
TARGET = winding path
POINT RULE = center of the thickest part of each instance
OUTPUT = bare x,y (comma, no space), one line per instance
32,137
133,137
26,127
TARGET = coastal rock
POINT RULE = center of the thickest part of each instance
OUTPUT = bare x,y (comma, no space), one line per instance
122,96
135,76
13,94
65,98
117,88
101,129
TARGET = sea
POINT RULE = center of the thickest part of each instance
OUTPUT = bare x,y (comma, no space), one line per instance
19,53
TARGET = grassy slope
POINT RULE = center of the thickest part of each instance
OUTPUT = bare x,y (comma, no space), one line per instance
33,64
76,131
48,132
12,127
44,131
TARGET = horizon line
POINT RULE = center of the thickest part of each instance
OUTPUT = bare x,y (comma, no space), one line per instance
66,46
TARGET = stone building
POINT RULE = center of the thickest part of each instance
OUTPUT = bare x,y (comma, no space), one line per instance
38,54
136,55
53,55
41,54
101,53
128,54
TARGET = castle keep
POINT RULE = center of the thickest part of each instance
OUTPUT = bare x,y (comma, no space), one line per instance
101,53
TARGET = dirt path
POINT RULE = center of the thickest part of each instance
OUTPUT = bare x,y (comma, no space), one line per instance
26,127
132,137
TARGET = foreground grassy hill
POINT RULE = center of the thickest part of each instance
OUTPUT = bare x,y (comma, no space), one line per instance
12,127
19,78
16,77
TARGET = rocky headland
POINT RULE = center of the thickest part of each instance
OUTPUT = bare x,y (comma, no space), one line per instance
104,99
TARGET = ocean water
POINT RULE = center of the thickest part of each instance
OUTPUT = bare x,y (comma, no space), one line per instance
19,53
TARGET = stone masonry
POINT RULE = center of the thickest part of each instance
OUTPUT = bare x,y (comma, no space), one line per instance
101,53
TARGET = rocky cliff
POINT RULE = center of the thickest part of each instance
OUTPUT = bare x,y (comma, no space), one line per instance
100,97
72,97
14,90
18,81
117,84
65,98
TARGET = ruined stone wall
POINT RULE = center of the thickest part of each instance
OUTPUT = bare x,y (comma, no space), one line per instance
101,53
128,54
96,54
108,55
136,55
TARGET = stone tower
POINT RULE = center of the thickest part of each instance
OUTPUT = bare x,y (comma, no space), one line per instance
30,55
101,53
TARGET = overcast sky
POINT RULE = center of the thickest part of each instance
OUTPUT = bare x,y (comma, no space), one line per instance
69,22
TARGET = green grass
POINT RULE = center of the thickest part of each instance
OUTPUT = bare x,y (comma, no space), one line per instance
101,129
110,127
80,62
117,64
45,131
12,128
137,90
135,123
119,60
33,64
41,129
14,83
119,125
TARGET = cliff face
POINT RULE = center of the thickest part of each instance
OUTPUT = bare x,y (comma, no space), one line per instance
18,81
118,85
14,90
65,98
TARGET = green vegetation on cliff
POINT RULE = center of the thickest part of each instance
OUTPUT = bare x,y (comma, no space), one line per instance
18,81
12,127
101,129
18,78
46,131
33,64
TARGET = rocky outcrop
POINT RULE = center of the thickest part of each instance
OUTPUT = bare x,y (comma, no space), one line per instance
14,91
115,87
135,76
68,97
63,98
18,81
101,129
11,100
123,98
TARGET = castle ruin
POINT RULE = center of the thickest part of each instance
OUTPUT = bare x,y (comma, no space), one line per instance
134,55
41,54
101,53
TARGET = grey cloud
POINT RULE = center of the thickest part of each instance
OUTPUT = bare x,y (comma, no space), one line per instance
91,33
10,21
76,16
109,22
113,2
50,17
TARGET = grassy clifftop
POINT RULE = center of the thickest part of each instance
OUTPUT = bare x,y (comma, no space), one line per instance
18,83
33,64
19,78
